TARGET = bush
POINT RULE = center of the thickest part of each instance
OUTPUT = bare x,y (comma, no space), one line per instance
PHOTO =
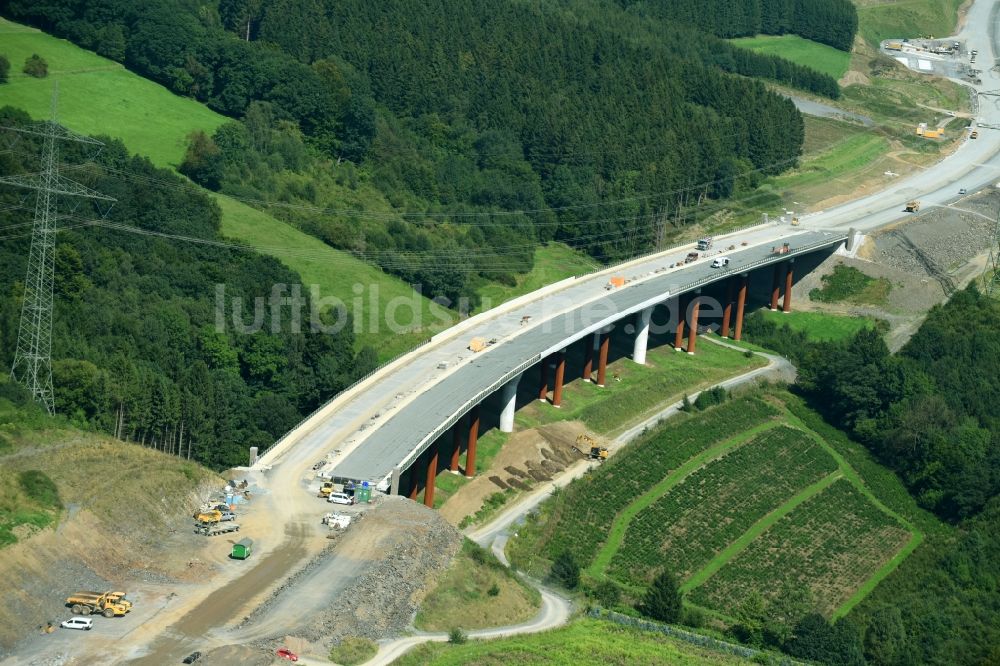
607,593
494,590
565,570
663,600
36,66
4,69
713,396
39,487
17,394
353,650
457,637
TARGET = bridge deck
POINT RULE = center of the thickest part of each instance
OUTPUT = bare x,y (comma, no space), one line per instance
576,311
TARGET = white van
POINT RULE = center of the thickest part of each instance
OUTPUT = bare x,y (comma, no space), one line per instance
720,262
85,623
340,498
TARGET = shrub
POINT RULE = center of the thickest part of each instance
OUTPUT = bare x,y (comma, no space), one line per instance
36,66
494,590
353,650
663,600
4,68
565,570
607,593
713,396
39,487
457,637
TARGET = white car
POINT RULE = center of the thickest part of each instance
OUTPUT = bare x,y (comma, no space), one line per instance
85,623
340,498
720,262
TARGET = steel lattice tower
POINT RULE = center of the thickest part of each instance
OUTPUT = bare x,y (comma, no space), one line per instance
32,365
992,275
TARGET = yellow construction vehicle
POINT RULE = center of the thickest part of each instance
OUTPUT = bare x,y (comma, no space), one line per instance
912,206
326,489
212,516
108,604
587,444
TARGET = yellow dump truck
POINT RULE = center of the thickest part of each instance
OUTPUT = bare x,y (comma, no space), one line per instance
108,604
326,489
912,206
213,516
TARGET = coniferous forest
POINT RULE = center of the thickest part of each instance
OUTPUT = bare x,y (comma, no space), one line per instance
588,123
135,346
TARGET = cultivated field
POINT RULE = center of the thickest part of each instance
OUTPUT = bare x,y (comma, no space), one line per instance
579,519
725,499
826,548
685,529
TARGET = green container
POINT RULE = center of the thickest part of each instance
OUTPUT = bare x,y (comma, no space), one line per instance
242,549
363,494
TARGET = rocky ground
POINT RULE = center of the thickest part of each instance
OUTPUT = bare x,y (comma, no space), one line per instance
925,258
368,582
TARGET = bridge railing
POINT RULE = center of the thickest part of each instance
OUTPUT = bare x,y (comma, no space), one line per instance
429,437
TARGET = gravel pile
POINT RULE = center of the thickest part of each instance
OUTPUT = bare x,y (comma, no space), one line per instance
939,241
384,599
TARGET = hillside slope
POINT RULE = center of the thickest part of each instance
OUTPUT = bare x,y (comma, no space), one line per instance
115,511
98,96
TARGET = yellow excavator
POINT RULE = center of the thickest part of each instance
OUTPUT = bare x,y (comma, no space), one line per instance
326,489
587,444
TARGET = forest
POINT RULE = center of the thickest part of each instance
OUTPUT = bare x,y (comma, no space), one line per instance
136,348
832,22
489,127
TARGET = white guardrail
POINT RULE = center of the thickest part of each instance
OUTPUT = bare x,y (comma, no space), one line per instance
308,423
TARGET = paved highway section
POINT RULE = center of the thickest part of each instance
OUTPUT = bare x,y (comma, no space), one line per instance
407,433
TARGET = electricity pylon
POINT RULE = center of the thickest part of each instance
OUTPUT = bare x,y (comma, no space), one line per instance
32,365
991,277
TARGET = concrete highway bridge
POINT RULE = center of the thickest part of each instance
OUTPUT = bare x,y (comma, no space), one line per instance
423,413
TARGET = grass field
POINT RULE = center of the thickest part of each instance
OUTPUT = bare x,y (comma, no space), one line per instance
117,482
884,19
583,641
820,325
848,284
335,273
464,596
553,262
99,96
666,376
820,57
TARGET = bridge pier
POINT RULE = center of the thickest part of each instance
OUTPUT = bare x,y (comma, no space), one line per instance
693,323
602,358
557,388
786,305
456,442
470,451
508,398
775,287
588,355
641,335
741,300
543,391
432,469
679,333
727,311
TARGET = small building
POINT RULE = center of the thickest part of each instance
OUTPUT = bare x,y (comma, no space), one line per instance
242,549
